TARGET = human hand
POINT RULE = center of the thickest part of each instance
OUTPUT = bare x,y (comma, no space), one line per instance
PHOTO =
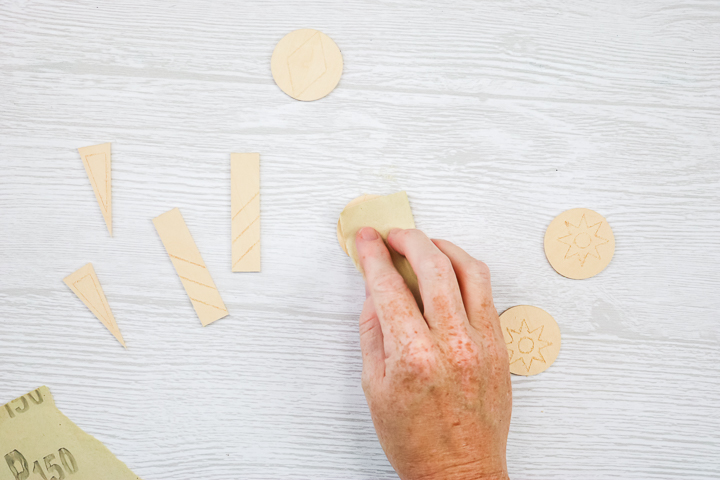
438,384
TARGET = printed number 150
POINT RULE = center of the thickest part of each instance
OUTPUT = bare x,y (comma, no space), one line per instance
18,465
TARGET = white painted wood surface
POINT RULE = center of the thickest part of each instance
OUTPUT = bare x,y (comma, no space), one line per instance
495,116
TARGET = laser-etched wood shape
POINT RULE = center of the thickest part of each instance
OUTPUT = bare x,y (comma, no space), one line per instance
579,243
306,64
190,266
85,284
97,161
532,337
245,211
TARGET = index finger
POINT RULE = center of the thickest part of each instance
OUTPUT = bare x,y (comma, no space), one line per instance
400,318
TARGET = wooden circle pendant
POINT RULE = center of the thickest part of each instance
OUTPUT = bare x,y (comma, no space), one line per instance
579,243
306,64
532,337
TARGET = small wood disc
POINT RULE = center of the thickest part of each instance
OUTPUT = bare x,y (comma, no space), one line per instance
306,64
579,243
354,201
532,337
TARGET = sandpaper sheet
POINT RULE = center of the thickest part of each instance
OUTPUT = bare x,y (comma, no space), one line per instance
38,442
383,214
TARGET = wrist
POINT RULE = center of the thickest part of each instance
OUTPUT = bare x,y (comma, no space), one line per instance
467,471
466,475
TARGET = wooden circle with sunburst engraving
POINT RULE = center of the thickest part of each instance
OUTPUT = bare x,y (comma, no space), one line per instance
579,243
306,64
532,337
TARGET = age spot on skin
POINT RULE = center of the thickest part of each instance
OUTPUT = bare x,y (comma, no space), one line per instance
445,313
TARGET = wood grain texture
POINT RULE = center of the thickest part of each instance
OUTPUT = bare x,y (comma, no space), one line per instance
494,116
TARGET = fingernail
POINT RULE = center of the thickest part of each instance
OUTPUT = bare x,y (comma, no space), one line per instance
368,233
394,231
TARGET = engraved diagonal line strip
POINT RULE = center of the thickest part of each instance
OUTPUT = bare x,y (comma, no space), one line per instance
246,228
248,203
188,261
208,304
195,281
248,251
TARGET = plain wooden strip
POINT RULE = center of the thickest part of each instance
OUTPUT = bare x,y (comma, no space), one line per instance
97,162
190,266
245,210
85,284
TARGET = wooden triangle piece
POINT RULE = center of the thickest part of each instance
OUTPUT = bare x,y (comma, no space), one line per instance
85,284
96,160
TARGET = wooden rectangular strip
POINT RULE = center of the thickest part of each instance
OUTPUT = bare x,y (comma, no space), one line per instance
190,266
245,211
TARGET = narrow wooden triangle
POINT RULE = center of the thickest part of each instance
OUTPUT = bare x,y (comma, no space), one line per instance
85,284
97,162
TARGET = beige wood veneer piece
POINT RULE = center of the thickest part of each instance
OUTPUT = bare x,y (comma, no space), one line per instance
190,266
306,64
532,337
97,161
245,211
579,243
85,284
383,213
